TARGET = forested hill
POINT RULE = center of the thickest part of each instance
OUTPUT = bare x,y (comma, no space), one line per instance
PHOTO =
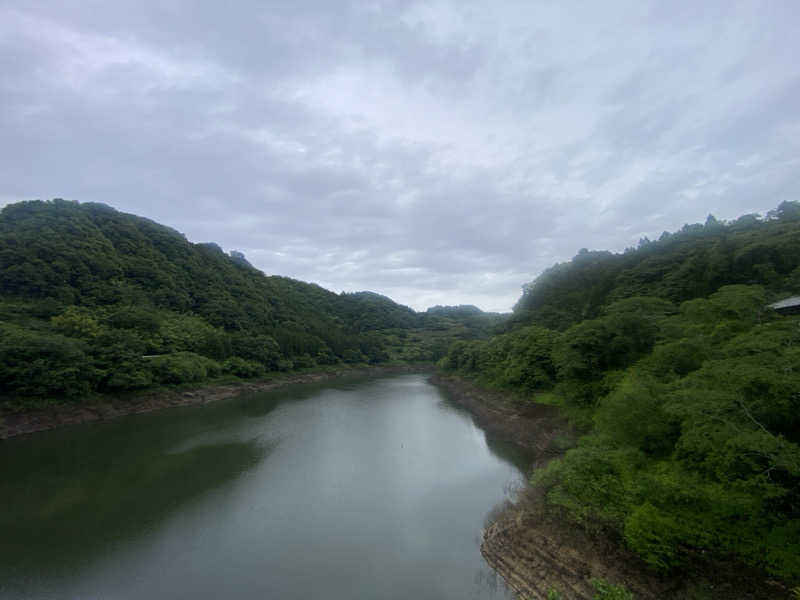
685,382
95,299
691,263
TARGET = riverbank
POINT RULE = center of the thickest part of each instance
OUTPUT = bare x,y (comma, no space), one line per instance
538,428
537,553
108,407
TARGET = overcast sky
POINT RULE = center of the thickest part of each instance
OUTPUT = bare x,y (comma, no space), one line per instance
435,152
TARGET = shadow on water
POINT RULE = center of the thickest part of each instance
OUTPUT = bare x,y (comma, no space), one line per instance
72,495
258,404
519,456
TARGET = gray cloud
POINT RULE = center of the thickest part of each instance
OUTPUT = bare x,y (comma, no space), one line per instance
436,152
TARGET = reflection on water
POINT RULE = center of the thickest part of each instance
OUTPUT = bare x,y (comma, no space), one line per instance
79,499
370,488
519,456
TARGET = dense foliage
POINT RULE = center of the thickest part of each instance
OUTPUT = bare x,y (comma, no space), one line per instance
92,299
691,263
686,383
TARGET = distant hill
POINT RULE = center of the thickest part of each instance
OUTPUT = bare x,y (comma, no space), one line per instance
95,299
465,315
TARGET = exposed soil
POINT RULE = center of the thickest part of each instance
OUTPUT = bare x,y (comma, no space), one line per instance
108,407
538,553
538,428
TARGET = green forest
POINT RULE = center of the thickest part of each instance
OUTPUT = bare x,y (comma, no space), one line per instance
93,300
684,384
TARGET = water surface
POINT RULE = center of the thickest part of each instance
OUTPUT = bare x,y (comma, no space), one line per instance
359,489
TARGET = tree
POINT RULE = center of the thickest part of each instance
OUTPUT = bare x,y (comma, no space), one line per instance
786,211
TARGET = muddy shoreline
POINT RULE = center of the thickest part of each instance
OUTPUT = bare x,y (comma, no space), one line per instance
538,428
108,407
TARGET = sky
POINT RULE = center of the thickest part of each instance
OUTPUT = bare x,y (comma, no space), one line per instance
434,152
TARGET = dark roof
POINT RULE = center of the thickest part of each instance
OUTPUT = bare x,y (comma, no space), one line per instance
791,302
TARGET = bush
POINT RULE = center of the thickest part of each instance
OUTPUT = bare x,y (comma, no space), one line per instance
242,368
609,591
183,367
38,364
304,361
128,375
653,536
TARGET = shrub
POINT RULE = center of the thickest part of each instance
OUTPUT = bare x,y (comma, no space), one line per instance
183,367
39,364
242,368
610,591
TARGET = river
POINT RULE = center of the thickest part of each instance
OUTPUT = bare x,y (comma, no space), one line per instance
368,488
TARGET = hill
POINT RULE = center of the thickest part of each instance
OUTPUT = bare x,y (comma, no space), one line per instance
691,263
684,382
95,300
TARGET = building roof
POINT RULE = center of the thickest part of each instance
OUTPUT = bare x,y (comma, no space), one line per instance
790,302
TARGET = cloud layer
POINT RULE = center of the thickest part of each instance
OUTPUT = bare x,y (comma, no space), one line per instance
436,152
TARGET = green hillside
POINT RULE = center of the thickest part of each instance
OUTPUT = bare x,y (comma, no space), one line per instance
95,300
691,263
685,383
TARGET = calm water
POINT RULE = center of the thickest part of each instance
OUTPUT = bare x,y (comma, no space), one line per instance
362,489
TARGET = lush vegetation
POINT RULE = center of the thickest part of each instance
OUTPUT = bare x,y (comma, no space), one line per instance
94,300
686,385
